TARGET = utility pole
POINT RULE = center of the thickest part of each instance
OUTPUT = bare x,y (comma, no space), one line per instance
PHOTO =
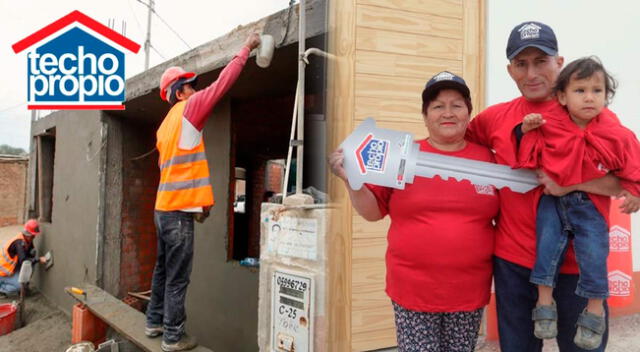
147,42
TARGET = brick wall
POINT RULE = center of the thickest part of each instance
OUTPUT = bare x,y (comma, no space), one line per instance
139,184
274,176
13,185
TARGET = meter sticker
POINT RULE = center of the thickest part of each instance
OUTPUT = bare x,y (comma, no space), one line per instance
372,154
291,315
293,237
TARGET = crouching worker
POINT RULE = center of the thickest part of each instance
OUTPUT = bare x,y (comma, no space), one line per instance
15,252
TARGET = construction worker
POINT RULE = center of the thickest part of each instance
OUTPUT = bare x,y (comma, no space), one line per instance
15,252
184,193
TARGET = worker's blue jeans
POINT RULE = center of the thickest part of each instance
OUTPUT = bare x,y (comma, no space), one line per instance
171,273
9,285
516,297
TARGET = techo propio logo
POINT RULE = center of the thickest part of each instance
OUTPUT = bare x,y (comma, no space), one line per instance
372,154
76,63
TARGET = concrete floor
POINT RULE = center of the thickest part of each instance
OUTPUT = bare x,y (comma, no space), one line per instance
625,337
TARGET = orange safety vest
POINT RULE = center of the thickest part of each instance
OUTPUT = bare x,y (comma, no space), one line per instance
184,174
7,262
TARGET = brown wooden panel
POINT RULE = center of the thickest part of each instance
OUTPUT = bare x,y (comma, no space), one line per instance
397,110
389,88
418,130
340,109
396,65
376,318
408,44
408,22
447,8
367,250
367,273
369,296
372,340
366,229
473,52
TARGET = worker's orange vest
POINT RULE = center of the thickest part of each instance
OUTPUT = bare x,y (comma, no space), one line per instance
7,262
184,174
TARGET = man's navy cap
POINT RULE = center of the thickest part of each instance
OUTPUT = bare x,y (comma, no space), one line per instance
445,79
532,34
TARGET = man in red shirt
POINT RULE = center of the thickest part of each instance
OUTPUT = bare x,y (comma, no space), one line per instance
534,65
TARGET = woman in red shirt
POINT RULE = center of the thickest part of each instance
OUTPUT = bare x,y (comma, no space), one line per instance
440,242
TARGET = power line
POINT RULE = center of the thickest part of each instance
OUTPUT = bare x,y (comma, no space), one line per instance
174,32
12,107
157,52
134,15
165,23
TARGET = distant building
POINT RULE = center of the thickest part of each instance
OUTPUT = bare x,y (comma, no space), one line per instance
13,183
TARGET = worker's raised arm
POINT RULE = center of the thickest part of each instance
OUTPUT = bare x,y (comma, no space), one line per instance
201,103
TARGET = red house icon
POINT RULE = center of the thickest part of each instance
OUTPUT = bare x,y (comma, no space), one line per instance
57,77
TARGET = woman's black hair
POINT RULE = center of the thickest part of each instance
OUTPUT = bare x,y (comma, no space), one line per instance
584,68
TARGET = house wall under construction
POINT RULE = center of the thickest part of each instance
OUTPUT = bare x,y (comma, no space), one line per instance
95,183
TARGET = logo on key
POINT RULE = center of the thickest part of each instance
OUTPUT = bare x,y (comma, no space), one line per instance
372,154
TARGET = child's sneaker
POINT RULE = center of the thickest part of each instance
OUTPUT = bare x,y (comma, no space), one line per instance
590,329
545,321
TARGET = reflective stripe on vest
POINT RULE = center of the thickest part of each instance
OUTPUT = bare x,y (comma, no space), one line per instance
181,185
184,174
7,263
183,159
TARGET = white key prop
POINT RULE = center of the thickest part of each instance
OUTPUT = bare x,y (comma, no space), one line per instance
391,158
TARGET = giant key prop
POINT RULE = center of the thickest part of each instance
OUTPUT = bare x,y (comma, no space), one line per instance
391,158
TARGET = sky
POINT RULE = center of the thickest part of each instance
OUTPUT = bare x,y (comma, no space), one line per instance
196,21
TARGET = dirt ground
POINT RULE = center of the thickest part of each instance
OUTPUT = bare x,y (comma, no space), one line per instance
46,328
624,337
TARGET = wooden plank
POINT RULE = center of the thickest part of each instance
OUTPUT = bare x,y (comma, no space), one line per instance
397,65
368,273
367,296
417,129
369,252
366,229
375,318
388,88
474,52
409,44
340,109
124,319
408,22
445,8
371,340
366,250
392,110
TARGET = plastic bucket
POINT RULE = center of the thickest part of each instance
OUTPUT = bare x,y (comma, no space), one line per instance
7,318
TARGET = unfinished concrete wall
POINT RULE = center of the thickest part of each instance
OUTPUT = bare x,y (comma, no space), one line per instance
113,206
73,229
13,178
222,300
